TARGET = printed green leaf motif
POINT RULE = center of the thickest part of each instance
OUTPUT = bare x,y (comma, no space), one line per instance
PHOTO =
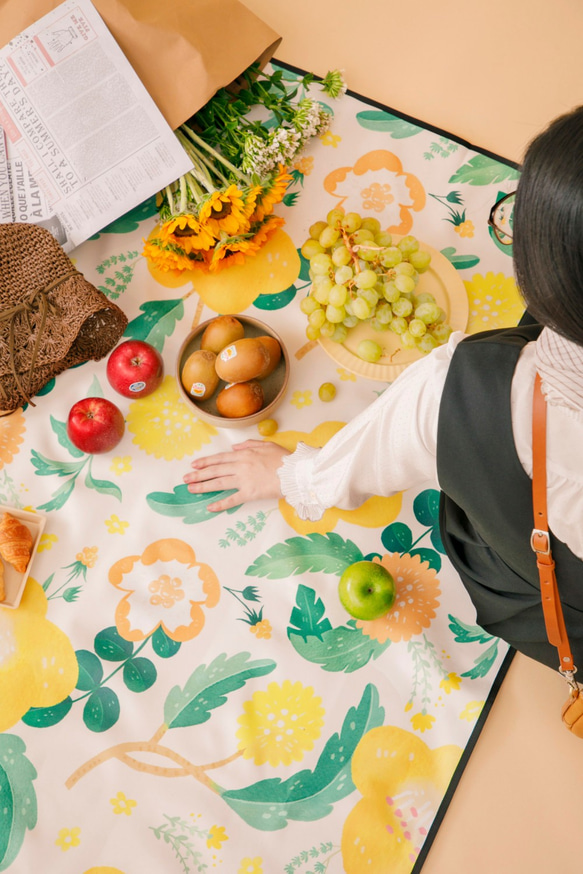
131,220
157,322
304,273
111,646
139,674
275,301
208,687
290,198
60,429
426,507
48,467
181,503
163,645
60,497
306,619
430,556
45,717
397,537
101,710
464,633
483,663
436,540
90,670
461,262
385,122
344,648
483,170
329,553
104,486
18,810
309,795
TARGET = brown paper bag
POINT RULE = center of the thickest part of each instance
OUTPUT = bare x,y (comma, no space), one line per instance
182,50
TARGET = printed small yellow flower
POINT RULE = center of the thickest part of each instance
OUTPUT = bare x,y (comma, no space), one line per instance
217,836
251,866
280,724
408,706
330,139
88,556
121,464
301,399
46,542
451,682
304,166
345,375
262,629
465,229
115,525
68,837
472,710
121,804
422,721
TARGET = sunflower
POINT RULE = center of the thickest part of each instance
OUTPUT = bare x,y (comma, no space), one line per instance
168,256
272,192
224,211
187,232
230,251
266,230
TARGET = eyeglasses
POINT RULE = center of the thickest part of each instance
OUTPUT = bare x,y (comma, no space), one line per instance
501,219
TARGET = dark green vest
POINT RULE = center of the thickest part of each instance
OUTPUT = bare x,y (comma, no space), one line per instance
486,502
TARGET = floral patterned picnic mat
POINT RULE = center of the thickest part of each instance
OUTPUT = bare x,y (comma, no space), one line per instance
182,691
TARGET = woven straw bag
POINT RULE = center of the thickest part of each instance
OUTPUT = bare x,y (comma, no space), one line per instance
51,317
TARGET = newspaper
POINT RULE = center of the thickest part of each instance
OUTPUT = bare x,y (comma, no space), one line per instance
81,142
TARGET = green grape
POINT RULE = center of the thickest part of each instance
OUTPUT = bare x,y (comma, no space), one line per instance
316,229
441,317
308,305
391,293
408,245
384,239
406,268
328,236
343,274
317,318
341,256
370,296
322,293
427,312
417,328
340,334
426,343
391,257
338,295
327,329
398,325
408,340
371,224
402,307
424,297
334,217
311,248
369,350
404,283
384,313
365,279
321,264
420,261
441,333
327,391
335,314
378,325
370,252
312,333
351,222
361,309
267,427
362,237
350,321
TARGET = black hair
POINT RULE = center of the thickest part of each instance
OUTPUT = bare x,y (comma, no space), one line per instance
548,227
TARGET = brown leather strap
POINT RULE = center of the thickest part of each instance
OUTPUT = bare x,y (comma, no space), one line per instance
540,539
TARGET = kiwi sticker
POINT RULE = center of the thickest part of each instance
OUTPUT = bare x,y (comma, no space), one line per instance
228,353
197,389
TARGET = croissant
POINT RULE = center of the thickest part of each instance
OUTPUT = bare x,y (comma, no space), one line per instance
2,585
15,542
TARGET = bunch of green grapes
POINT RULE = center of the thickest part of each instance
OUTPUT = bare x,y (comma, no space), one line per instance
358,274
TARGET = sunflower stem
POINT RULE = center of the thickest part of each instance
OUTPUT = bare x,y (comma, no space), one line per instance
200,142
169,198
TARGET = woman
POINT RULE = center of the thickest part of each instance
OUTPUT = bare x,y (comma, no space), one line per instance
462,416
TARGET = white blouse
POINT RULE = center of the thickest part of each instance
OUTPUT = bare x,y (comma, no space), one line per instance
392,444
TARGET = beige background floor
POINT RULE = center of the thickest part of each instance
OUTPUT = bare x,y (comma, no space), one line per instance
494,74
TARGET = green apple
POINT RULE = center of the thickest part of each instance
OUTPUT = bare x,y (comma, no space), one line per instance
366,590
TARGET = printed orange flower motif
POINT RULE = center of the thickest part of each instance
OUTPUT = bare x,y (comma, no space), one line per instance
415,603
402,782
304,166
376,176
11,430
165,587
261,629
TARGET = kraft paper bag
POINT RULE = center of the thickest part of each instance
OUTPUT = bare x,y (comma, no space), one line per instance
182,50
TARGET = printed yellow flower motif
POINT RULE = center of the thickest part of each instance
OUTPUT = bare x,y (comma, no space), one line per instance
415,603
345,375
402,782
121,464
12,428
377,197
451,682
137,616
304,166
422,721
88,556
262,629
121,804
46,542
103,869
164,426
301,399
472,710
224,211
217,836
495,302
38,666
465,228
68,837
330,139
280,724
251,866
115,525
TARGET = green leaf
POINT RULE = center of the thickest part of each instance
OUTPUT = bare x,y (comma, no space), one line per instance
104,486
430,556
343,648
464,633
436,540
290,198
60,429
304,273
18,810
275,301
483,170
48,467
101,710
60,497
139,674
90,670
310,795
483,663
426,507
329,553
131,220
182,503
208,686
461,262
307,615
111,646
397,537
157,322
163,645
45,717
385,122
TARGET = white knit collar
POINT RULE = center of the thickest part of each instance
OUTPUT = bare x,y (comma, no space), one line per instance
560,364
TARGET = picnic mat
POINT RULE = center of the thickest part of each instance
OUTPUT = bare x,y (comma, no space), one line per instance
182,691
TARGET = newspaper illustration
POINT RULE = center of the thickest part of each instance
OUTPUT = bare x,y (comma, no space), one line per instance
83,142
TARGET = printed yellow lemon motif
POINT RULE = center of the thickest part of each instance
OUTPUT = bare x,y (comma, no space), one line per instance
374,512
402,782
273,269
495,302
38,667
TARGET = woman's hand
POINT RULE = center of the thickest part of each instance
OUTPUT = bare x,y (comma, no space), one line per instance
250,468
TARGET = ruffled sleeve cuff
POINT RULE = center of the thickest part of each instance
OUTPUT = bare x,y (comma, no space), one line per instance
295,476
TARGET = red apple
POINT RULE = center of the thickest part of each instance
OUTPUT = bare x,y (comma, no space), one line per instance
135,368
95,425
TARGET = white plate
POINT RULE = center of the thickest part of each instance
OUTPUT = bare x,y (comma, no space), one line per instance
14,582
441,280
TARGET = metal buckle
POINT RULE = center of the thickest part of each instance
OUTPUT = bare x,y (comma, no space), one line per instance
538,532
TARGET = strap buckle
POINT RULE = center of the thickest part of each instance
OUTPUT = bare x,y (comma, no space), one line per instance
540,542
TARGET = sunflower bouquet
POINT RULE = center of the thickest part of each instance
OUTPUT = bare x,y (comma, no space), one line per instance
240,144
